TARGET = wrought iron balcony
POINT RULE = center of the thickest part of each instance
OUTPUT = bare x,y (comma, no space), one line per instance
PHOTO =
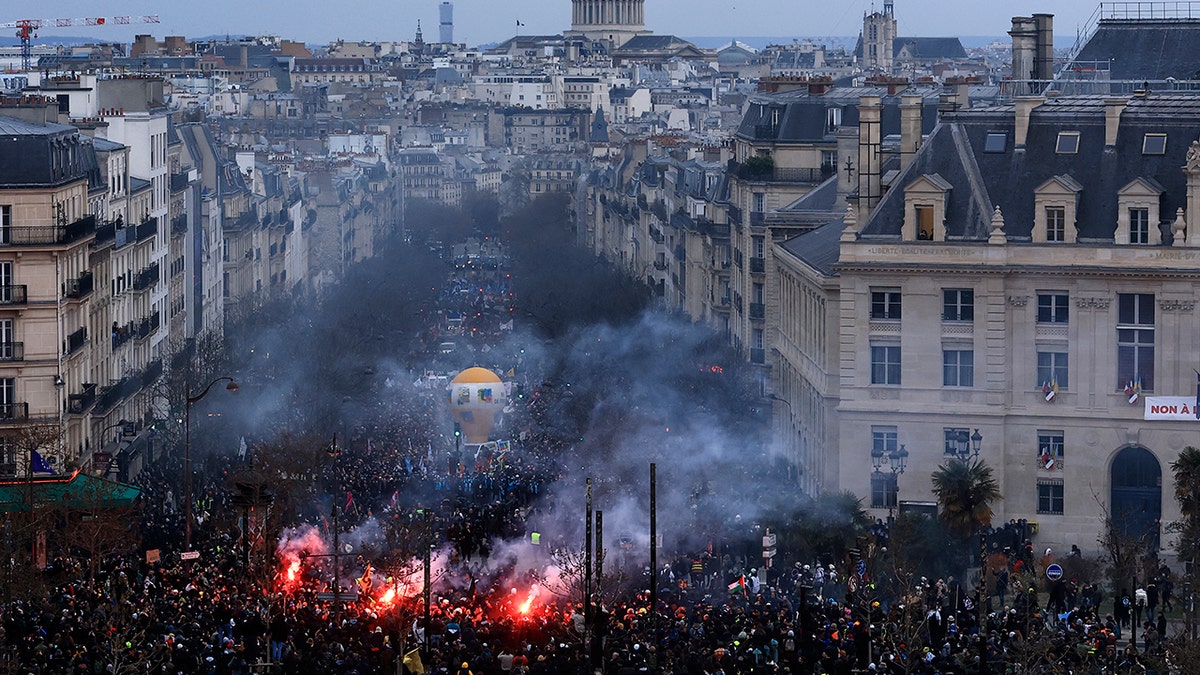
75,341
14,412
758,356
46,235
14,294
78,404
758,310
12,351
79,288
758,265
146,278
147,229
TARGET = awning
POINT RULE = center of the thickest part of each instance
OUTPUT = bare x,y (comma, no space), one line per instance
76,492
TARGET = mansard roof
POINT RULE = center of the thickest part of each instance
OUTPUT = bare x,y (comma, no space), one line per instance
1142,49
958,151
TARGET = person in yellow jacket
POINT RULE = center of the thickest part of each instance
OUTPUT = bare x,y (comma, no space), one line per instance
464,669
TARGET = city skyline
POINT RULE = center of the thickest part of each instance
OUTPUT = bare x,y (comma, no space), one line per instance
482,22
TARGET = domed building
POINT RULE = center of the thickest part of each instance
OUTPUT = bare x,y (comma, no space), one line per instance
613,22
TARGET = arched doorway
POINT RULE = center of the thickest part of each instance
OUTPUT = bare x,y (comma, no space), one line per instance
1137,494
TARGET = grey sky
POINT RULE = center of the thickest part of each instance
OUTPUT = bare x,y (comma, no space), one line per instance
480,21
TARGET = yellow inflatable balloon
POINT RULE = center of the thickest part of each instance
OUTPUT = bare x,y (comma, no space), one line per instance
477,400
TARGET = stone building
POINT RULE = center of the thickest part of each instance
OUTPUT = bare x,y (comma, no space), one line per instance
1030,274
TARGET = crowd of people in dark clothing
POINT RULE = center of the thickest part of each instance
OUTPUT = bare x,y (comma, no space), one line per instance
501,601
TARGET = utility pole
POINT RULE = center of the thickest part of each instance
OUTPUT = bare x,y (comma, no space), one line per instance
653,541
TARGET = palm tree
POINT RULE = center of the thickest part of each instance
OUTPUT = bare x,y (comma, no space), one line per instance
965,492
1187,482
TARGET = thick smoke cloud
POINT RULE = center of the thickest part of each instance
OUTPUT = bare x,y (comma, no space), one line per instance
610,383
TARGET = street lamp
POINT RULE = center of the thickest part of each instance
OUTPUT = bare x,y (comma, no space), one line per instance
967,448
897,462
187,453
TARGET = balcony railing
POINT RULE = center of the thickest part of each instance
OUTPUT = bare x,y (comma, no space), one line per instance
179,224
781,174
660,265
14,412
12,351
75,341
758,265
179,182
79,288
78,404
758,310
152,372
146,278
106,232
758,356
147,229
43,235
122,334
14,294
735,215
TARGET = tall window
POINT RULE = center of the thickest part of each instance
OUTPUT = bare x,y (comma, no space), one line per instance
1135,340
924,216
6,281
1050,496
954,438
1056,223
7,348
1052,368
958,368
1050,447
885,364
8,398
759,246
883,439
885,303
958,304
5,224
1052,308
883,490
760,202
1139,225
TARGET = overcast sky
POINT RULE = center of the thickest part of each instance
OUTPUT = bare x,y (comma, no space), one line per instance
482,21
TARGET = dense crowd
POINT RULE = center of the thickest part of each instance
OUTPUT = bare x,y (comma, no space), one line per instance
401,485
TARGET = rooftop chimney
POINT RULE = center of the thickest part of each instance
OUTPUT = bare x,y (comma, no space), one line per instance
910,128
1043,57
869,155
1113,107
1024,46
1024,105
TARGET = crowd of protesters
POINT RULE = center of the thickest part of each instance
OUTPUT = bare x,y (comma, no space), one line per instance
715,610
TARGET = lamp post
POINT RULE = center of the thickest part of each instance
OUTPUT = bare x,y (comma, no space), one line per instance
187,453
967,448
897,462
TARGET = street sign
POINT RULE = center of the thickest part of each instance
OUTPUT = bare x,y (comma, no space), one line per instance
769,553
852,585
769,540
1054,572
189,555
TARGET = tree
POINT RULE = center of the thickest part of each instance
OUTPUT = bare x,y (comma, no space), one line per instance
1187,492
965,492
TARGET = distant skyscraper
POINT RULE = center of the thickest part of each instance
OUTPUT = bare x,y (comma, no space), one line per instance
446,32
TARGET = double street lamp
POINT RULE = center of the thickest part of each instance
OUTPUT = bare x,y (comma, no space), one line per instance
231,385
897,461
966,448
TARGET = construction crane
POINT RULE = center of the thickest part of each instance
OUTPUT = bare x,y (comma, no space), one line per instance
27,28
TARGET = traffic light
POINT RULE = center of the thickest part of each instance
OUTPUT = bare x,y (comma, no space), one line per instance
457,430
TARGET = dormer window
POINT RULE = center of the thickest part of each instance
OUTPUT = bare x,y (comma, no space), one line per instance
925,208
995,143
1055,205
1154,144
1138,213
1068,143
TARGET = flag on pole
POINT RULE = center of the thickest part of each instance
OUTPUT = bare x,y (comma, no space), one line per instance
1049,392
738,585
1131,394
40,465
412,661
242,448
1047,459
349,501
1197,406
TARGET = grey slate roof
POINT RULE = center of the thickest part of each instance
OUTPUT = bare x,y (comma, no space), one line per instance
803,116
820,248
1143,49
646,43
29,151
1009,179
